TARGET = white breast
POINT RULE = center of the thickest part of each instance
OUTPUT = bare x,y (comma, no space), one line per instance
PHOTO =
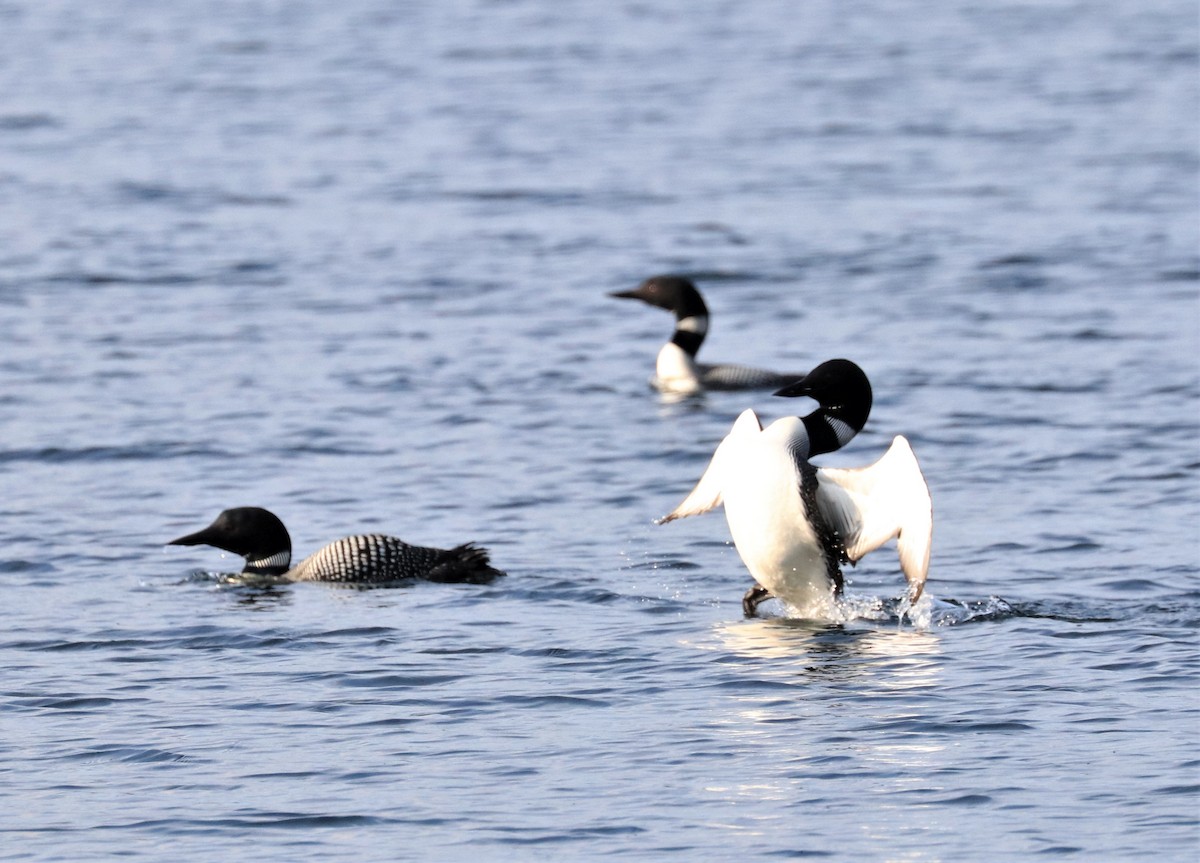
675,371
768,521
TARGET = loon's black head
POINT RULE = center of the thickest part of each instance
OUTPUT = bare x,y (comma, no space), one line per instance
842,390
673,293
253,532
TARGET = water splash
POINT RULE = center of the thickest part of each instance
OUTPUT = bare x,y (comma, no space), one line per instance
928,612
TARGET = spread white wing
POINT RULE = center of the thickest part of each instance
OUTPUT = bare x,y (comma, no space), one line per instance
886,500
707,493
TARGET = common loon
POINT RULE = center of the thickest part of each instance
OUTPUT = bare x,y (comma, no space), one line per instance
677,370
260,537
794,524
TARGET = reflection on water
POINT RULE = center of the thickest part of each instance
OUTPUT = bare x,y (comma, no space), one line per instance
260,598
789,671
896,658
877,682
246,591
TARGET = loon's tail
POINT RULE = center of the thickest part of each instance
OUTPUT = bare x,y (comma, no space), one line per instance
464,564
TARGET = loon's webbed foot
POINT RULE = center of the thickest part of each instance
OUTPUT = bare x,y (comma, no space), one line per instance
753,598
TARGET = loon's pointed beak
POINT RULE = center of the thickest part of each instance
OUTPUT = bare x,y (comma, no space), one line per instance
627,295
200,537
797,388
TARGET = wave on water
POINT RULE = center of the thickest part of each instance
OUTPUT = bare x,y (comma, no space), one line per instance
931,612
852,610
926,613
148,451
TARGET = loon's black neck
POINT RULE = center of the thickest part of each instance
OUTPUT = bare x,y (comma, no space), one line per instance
844,394
691,314
690,332
827,432
275,564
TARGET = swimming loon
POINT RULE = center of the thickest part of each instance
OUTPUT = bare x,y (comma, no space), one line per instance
260,537
794,524
677,370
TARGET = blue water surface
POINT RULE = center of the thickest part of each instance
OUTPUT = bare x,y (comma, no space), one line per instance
350,261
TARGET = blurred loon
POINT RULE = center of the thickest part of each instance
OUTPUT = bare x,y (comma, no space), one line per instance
794,524
260,537
677,370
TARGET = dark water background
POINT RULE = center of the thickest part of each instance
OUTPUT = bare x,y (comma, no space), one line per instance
349,261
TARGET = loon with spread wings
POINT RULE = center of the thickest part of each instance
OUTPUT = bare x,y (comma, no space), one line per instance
795,524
